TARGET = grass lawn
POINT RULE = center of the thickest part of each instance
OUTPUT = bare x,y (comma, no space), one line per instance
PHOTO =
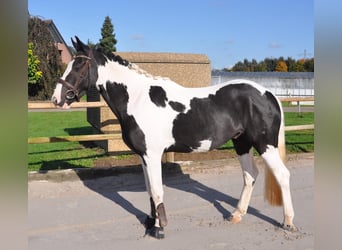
64,155
61,155
302,140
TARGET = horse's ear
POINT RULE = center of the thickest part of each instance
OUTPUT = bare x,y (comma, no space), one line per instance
79,45
74,44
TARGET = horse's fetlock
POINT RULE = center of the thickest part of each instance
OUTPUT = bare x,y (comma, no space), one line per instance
236,216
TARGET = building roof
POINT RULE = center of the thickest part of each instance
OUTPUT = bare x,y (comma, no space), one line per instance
151,57
55,34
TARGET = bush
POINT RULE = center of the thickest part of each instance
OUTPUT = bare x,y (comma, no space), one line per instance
50,63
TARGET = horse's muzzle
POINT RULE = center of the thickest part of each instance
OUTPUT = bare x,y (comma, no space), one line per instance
54,100
59,105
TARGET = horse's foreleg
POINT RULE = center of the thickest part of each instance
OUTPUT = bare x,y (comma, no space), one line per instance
250,173
150,220
282,175
153,176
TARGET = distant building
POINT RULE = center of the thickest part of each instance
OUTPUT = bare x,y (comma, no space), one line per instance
63,48
279,83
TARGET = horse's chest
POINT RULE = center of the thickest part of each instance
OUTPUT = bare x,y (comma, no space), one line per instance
155,122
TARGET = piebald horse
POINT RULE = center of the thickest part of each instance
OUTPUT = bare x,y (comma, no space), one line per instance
158,115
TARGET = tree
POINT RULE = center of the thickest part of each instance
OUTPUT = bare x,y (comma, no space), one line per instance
239,67
299,66
91,44
309,65
281,66
261,67
270,63
108,41
275,64
290,64
50,60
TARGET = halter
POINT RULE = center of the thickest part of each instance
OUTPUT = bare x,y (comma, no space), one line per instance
72,92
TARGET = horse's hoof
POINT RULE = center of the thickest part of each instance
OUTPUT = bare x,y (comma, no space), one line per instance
156,232
290,228
235,219
149,222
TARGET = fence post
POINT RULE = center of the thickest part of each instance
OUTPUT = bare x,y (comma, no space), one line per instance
299,109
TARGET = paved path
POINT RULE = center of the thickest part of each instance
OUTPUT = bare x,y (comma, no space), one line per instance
106,213
302,109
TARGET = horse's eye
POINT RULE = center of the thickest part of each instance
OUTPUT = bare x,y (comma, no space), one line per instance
70,94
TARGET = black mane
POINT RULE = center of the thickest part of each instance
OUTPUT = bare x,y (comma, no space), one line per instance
101,57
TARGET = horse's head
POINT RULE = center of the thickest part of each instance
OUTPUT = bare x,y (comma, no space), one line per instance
80,74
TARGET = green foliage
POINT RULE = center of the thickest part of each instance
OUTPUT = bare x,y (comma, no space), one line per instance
275,64
309,65
51,65
91,44
108,41
34,74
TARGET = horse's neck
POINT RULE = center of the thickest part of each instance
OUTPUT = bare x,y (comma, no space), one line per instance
115,73
115,81
134,78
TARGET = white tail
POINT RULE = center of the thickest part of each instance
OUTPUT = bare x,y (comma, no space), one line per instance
272,189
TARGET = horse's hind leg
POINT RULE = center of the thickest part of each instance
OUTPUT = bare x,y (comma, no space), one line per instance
282,176
250,173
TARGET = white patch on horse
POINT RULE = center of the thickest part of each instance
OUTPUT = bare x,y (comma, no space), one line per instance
67,70
204,146
57,93
122,74
282,174
250,173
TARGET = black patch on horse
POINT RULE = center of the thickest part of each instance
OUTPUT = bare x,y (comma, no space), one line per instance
200,123
117,97
158,96
177,106
235,111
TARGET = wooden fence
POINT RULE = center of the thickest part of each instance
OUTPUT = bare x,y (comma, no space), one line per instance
117,136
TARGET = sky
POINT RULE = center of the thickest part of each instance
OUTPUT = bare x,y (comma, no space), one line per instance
227,31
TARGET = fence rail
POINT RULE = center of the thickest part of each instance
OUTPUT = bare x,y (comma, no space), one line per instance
72,138
117,136
50,105
297,99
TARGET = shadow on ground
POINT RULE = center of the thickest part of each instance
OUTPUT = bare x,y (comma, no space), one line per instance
173,176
